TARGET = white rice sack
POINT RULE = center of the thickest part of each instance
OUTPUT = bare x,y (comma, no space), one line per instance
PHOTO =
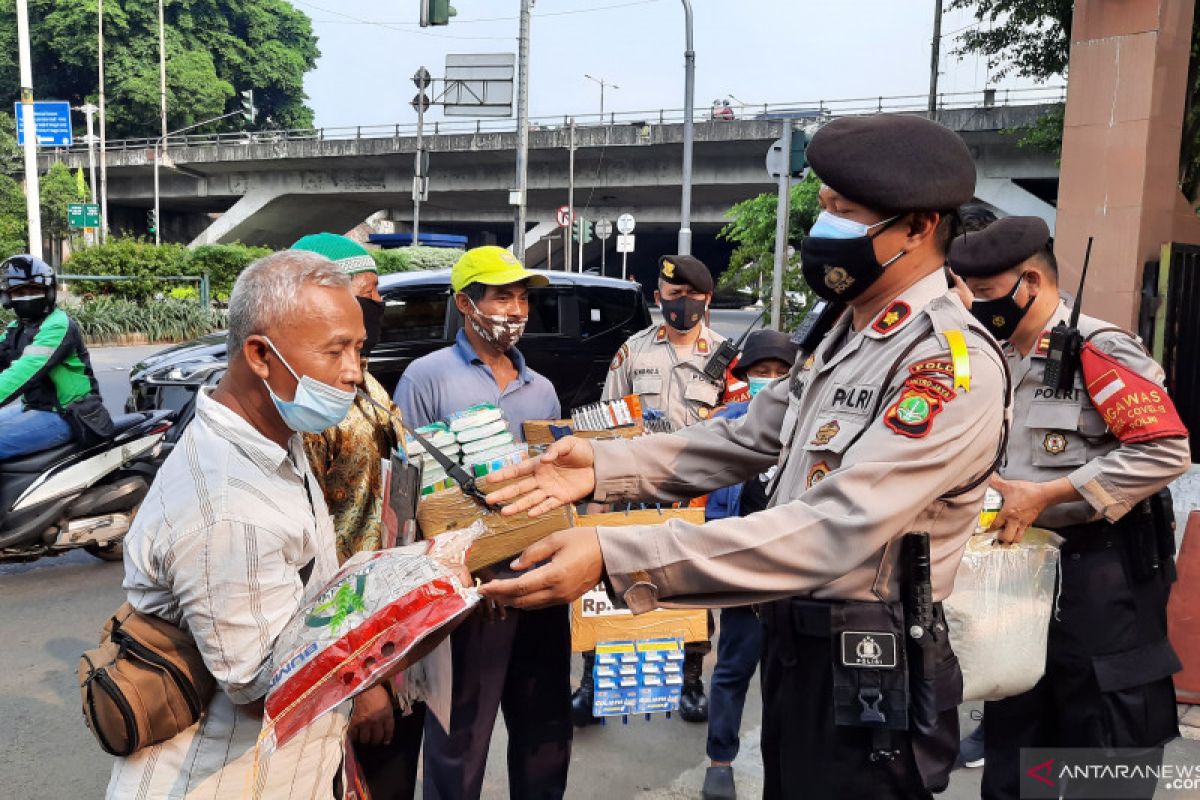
999,613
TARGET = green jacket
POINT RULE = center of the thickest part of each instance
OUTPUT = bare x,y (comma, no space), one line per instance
46,363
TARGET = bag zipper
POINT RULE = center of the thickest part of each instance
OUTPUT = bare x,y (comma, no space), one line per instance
154,659
118,699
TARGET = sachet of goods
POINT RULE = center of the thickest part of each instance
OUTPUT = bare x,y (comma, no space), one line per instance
382,611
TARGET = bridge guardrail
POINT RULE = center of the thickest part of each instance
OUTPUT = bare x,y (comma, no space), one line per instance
812,110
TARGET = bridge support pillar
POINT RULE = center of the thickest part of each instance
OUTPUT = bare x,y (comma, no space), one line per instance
1120,165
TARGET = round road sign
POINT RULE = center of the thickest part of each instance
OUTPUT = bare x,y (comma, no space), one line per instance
563,216
625,223
603,229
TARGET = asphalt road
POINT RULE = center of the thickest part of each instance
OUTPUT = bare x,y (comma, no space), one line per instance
53,610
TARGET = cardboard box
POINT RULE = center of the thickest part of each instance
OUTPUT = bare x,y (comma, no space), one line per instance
537,431
593,617
506,537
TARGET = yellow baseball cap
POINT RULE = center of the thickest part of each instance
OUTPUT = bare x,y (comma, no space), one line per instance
492,266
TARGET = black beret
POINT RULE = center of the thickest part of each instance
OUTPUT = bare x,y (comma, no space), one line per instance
894,163
999,247
687,270
762,345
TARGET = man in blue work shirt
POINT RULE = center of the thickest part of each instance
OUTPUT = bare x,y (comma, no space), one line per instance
519,662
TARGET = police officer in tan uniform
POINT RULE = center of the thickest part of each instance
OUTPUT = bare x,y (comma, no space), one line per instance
894,428
1109,664
664,364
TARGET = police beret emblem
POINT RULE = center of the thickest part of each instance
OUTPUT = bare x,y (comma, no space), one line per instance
826,432
838,279
1054,443
668,269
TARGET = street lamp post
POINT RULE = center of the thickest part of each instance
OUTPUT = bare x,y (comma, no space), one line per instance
162,105
33,205
603,83
103,140
89,112
689,91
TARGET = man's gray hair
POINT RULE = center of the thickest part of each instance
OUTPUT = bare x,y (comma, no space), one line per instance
267,292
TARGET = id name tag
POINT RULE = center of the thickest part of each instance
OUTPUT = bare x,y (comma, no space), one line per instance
869,649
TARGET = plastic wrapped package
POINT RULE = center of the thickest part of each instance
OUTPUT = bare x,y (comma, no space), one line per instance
999,613
379,613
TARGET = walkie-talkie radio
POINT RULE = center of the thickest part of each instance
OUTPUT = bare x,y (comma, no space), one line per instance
718,363
816,323
1062,360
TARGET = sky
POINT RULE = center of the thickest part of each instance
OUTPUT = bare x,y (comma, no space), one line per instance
754,51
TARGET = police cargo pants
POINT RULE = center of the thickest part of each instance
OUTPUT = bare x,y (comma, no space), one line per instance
807,757
1108,670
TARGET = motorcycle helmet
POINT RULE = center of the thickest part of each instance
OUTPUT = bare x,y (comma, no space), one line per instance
26,270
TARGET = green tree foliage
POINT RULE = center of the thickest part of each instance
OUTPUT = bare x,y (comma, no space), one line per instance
14,232
752,230
409,259
58,189
1032,38
222,263
215,48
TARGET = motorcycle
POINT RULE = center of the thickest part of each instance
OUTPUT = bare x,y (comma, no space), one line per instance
71,497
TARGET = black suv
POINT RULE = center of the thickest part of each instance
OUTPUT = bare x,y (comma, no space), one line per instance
576,325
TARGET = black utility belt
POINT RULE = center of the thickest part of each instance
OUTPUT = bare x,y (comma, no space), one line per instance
1089,536
1145,536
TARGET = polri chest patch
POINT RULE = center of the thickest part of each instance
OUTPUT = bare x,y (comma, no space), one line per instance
853,399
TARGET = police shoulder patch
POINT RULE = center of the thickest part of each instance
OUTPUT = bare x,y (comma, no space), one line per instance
892,317
816,474
913,412
620,357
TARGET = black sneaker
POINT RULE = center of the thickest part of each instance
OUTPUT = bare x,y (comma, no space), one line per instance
581,700
970,749
718,784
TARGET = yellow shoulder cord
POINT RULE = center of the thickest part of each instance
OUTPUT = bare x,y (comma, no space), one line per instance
960,358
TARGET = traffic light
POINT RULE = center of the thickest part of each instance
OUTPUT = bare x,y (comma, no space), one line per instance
436,12
151,222
248,109
584,227
798,158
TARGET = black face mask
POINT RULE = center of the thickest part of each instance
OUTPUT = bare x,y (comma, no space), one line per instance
31,309
1002,315
683,313
372,311
842,269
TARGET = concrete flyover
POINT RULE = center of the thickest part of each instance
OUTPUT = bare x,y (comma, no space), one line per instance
271,188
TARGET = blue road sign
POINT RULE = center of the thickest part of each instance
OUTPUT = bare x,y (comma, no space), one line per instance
53,121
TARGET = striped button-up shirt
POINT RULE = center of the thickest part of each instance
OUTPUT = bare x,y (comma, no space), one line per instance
218,547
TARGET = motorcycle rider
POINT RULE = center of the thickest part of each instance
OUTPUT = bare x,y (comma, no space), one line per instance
44,363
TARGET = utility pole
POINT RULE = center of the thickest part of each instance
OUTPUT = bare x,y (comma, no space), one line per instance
162,107
689,91
518,197
570,200
33,204
103,140
782,213
89,111
935,58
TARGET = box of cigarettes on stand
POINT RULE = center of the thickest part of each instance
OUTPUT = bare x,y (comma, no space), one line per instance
594,618
606,419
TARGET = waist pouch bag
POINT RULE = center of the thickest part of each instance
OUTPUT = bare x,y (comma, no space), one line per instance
870,669
89,420
143,684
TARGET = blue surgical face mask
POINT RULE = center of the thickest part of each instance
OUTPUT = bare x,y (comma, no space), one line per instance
831,226
316,407
758,384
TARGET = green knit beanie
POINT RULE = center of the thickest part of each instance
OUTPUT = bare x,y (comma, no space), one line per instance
348,254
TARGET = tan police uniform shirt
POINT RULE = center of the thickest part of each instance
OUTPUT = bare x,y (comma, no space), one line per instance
648,365
1060,434
871,441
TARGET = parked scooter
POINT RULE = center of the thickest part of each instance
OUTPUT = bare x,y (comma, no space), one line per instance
72,497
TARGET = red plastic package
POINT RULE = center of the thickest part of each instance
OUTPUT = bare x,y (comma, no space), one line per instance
369,620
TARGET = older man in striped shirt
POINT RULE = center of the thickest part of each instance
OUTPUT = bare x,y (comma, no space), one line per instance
234,535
